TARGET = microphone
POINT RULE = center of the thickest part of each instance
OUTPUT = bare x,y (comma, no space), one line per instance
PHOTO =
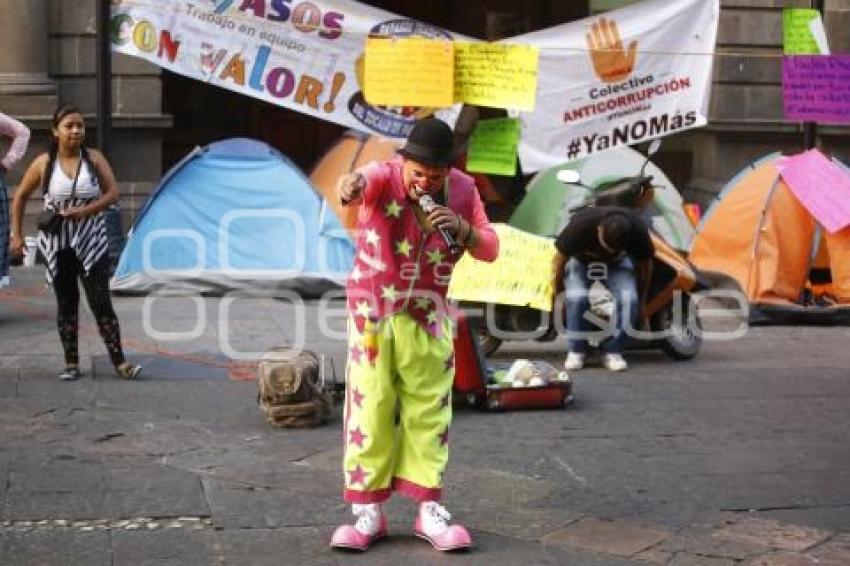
427,203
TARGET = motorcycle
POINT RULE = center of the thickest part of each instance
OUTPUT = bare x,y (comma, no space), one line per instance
669,320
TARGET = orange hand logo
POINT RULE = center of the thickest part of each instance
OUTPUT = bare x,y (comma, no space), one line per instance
610,61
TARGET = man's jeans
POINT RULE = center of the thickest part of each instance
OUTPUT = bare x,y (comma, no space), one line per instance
620,279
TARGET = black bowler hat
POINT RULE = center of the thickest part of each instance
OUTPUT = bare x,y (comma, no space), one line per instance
431,142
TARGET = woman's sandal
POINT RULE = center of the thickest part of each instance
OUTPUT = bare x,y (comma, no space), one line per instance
129,371
70,374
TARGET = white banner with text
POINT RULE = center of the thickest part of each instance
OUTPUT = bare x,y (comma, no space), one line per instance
624,77
306,56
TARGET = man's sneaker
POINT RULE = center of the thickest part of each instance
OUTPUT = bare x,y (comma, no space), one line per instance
432,524
70,374
370,526
574,361
614,362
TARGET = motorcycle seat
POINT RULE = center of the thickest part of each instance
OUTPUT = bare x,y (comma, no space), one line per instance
627,192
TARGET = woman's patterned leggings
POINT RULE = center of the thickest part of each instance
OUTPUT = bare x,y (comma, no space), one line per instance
96,286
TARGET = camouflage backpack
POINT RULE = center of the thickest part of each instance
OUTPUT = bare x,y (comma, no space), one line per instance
290,394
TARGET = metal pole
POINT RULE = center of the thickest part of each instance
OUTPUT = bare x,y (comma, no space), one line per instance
810,129
104,78
112,215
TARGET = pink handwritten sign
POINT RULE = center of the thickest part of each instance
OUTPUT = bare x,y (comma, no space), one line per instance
816,88
821,185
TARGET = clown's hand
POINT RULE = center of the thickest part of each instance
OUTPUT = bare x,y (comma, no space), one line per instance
350,187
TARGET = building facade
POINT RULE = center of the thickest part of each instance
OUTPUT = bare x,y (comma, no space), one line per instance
48,55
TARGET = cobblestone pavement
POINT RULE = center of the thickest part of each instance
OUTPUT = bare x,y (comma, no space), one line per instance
737,457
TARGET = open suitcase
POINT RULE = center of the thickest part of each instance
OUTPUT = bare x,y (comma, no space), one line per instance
474,380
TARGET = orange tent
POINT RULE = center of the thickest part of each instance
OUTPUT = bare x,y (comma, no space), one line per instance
353,149
790,270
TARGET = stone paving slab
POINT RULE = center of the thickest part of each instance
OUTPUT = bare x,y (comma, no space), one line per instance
239,507
283,546
9,381
773,534
91,490
489,550
163,548
621,538
827,518
513,489
533,523
784,558
37,506
281,476
8,388
260,547
4,477
51,360
276,547
834,552
154,491
266,465
745,490
329,460
168,367
703,542
836,549
55,476
654,555
475,496
684,559
55,548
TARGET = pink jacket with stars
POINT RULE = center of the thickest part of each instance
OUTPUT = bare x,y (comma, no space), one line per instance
398,265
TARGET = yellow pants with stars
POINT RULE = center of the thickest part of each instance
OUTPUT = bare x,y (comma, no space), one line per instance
397,368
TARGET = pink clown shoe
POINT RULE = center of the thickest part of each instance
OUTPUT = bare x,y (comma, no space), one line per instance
370,526
432,524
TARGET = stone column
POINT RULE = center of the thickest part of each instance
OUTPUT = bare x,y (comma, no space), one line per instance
25,88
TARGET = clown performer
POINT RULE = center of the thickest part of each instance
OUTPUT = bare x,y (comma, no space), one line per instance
417,215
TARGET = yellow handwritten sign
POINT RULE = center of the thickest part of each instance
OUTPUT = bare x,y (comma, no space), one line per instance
521,275
500,75
410,71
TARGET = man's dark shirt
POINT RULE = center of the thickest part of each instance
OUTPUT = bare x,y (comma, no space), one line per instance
580,239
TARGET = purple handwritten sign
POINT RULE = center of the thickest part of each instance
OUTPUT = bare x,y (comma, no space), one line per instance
821,186
816,88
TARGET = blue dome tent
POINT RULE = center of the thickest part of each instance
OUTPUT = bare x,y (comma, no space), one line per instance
235,214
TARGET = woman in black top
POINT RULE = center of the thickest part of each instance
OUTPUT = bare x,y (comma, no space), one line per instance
78,184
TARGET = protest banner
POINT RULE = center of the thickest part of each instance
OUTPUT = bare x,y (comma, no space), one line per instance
816,88
305,56
628,76
499,75
632,75
521,275
493,147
